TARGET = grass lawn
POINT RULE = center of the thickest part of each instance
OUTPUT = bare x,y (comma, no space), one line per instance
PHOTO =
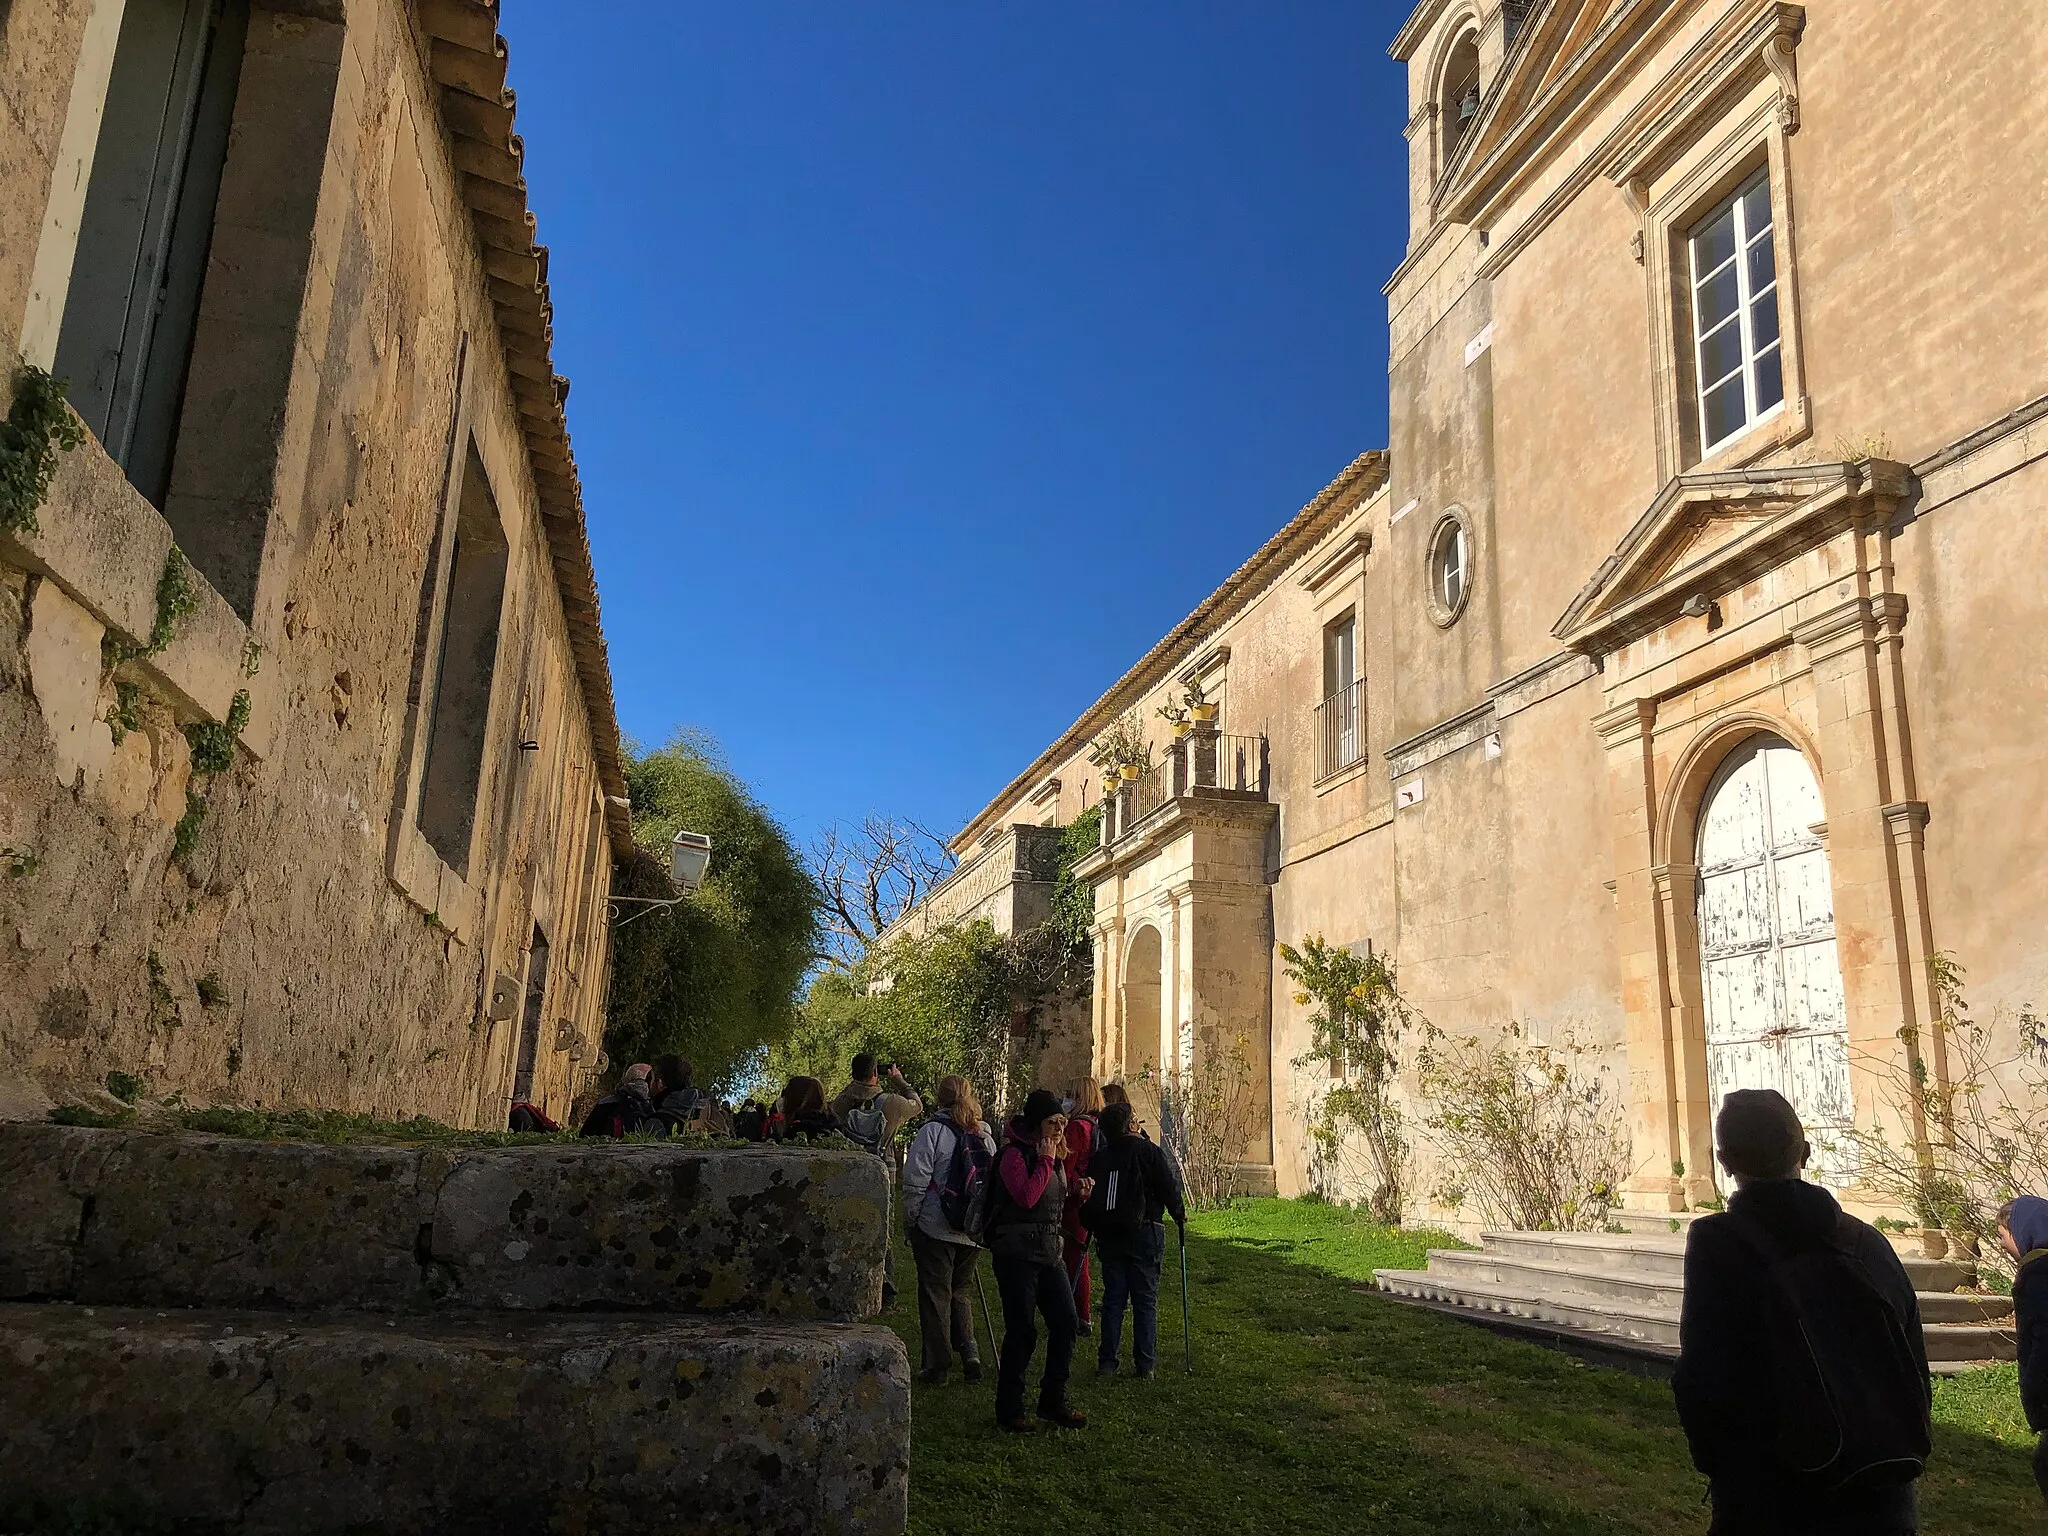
1317,1406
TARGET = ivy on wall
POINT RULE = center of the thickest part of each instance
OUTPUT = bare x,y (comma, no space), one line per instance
39,427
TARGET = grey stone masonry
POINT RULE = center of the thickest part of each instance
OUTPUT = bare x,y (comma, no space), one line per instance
179,1220
301,1426
226,1335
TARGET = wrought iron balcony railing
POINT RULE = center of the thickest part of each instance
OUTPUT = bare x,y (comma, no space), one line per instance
1340,730
1201,760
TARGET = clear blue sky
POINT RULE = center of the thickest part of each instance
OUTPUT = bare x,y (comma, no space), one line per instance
932,359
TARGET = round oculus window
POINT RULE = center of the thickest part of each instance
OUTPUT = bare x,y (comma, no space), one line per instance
1450,567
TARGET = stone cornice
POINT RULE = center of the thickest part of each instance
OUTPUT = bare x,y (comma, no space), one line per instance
1789,510
1346,554
1629,721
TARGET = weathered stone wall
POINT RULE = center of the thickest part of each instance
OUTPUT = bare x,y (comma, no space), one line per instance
180,1220
302,1426
246,1336
351,345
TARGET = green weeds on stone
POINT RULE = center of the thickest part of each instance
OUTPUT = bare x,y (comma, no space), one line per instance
213,992
19,863
176,599
185,836
126,715
94,1119
213,753
39,427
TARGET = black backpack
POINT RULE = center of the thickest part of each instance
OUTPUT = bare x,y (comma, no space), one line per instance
1116,1208
1850,1404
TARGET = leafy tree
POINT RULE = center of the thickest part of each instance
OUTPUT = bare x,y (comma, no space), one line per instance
719,975
935,1004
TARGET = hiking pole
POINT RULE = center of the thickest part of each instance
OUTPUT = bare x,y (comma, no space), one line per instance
1187,1337
986,1316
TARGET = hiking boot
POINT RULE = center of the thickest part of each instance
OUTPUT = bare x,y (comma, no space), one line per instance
933,1377
971,1369
1065,1415
1105,1367
1083,1331
1143,1373
1018,1426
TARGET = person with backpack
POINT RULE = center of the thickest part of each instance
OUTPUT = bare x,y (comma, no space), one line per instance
1134,1191
943,1173
1027,1192
2023,1233
1083,1108
627,1110
677,1102
870,1115
1802,1373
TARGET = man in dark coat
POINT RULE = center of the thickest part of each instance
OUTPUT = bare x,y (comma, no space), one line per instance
2023,1230
1130,1261
1725,1383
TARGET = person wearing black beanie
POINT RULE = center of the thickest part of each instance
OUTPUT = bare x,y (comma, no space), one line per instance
1027,1194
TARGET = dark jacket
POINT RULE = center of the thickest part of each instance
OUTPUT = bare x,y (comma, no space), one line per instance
2030,1306
1724,1383
1162,1188
622,1113
678,1108
1028,1195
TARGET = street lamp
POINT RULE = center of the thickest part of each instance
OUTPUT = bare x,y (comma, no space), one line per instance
689,856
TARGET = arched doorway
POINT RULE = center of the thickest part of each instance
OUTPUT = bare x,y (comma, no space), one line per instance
1770,977
1141,1023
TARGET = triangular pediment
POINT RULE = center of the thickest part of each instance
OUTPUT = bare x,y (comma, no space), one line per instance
1706,534
1553,35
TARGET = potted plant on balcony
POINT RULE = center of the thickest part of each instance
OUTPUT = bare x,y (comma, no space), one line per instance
1122,749
1177,717
1199,704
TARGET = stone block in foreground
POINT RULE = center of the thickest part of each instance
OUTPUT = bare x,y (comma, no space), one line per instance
147,1219
268,1423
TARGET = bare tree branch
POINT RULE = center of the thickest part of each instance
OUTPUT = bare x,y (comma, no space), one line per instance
871,875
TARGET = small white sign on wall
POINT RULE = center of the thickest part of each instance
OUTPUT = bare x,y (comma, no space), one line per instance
1479,345
1408,794
1410,507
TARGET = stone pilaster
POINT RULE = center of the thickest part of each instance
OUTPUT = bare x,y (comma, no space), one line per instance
1657,1145
1885,1002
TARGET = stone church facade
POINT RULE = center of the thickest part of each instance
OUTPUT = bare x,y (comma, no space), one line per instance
1673,679
310,782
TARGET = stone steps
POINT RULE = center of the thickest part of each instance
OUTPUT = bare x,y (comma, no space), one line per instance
1623,1291
282,1337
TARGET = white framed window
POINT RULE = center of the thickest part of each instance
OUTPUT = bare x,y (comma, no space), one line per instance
1737,342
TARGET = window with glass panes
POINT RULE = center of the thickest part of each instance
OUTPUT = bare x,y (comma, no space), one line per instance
1735,315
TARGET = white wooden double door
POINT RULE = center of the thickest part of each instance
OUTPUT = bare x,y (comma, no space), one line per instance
1772,980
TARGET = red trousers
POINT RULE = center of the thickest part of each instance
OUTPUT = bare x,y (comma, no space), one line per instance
1074,1248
